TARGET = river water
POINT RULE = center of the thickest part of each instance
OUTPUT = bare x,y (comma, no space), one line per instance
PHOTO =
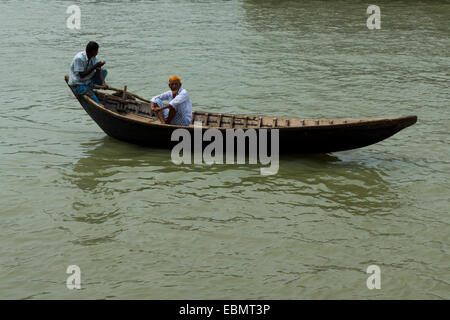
141,227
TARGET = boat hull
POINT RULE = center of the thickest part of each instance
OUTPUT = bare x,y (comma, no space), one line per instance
311,139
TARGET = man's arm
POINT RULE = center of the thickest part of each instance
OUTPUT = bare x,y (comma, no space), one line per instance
171,114
179,99
100,75
156,108
163,96
95,66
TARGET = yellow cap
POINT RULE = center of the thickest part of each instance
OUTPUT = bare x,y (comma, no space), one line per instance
175,78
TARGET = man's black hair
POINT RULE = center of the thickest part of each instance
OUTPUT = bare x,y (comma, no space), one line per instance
92,46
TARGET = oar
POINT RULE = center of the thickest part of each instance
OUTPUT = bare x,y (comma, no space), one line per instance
121,90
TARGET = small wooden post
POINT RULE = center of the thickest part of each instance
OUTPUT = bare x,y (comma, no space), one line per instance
219,120
232,122
124,97
260,122
245,121
274,122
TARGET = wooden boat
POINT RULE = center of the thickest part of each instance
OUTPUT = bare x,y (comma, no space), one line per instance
126,116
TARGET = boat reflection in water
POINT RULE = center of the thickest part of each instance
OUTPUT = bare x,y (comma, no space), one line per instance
115,177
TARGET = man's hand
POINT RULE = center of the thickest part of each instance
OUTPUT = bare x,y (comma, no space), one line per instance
153,106
99,64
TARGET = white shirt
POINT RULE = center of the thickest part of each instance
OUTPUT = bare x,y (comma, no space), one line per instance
79,64
181,103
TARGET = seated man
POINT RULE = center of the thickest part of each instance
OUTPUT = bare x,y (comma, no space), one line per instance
179,108
86,70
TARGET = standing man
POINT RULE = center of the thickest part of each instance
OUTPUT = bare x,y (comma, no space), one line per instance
86,70
178,110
